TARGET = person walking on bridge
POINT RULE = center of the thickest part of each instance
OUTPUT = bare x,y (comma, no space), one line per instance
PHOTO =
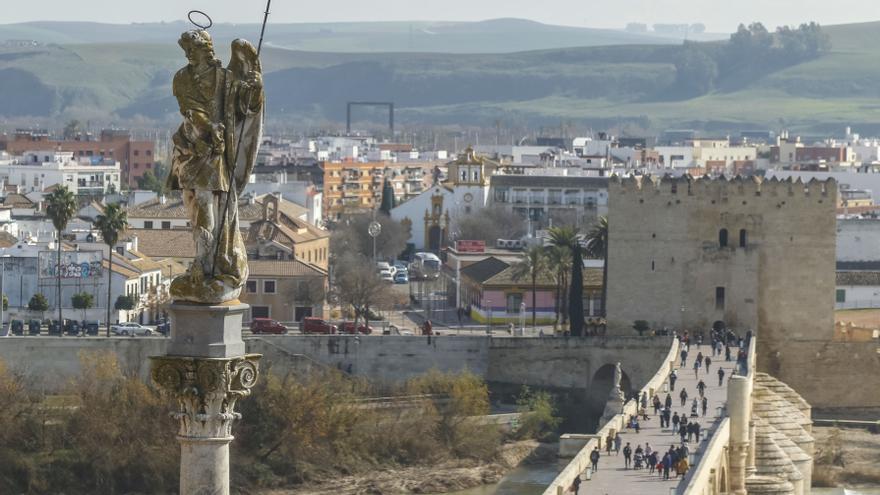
720,376
708,363
627,456
594,458
684,356
705,405
668,401
617,442
684,397
672,377
701,388
675,421
696,368
609,443
656,404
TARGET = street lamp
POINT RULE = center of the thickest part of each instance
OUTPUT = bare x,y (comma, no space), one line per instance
374,230
489,320
522,319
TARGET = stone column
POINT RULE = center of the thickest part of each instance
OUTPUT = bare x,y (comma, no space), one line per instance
207,372
738,406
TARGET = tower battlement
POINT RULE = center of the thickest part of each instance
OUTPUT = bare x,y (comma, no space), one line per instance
676,189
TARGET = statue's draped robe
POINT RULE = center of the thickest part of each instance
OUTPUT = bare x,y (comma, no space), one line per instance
220,109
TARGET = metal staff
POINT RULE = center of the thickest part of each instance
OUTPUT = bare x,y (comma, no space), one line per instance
238,147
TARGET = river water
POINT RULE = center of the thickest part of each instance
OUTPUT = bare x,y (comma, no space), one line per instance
530,479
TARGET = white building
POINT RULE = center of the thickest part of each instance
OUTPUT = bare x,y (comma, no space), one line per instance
35,171
303,193
857,290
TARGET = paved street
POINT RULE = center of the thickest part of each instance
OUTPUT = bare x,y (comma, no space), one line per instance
611,477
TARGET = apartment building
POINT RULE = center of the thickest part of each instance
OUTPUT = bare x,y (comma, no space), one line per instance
37,170
352,187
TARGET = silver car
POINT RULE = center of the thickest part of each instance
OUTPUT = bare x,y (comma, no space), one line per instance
130,328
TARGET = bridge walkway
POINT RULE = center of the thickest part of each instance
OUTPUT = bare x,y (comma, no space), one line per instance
612,478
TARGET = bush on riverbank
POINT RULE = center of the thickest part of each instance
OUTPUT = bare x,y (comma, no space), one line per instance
110,433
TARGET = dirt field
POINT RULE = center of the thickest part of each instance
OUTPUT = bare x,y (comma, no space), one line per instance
846,457
869,318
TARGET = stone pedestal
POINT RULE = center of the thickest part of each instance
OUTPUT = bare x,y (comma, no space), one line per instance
207,371
200,330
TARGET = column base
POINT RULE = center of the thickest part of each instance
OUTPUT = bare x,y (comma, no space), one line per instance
206,331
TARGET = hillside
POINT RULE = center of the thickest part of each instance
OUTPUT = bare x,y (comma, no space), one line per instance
492,36
598,86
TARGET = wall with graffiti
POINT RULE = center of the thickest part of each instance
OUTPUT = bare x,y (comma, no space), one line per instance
74,264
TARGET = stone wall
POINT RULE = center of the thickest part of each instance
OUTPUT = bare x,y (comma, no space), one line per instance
839,379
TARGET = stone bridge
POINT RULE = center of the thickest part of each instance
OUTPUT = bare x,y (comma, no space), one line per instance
757,438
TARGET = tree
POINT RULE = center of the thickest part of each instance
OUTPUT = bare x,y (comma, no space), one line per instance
358,284
641,326
125,303
490,224
60,208
5,302
350,236
83,301
387,197
569,238
695,71
111,224
597,247
559,263
154,180
532,266
39,303
71,129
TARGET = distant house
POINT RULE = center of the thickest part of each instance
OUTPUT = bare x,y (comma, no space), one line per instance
284,290
857,290
492,293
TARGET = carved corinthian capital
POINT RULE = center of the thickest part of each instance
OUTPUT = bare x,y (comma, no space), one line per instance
206,390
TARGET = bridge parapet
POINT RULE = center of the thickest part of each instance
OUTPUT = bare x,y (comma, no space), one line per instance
581,460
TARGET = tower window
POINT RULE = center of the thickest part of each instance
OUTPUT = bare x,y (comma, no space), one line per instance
743,238
719,298
722,238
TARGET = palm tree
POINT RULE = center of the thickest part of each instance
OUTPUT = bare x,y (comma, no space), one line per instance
567,238
111,224
60,208
559,261
533,266
597,247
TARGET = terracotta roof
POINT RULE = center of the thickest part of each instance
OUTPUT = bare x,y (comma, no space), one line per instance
282,268
173,243
484,270
7,240
858,278
146,264
18,201
173,208
592,278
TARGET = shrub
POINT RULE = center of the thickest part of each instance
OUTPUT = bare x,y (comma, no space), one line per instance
537,411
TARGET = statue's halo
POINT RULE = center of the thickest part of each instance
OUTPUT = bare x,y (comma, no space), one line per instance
189,16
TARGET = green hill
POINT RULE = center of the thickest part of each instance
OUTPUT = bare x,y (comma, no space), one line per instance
624,84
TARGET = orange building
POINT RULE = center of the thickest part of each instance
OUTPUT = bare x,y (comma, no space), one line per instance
134,157
352,187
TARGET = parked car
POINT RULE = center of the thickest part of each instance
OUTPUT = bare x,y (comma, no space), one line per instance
164,327
401,278
348,327
130,328
54,327
265,325
34,327
386,276
400,266
92,327
317,325
382,266
17,327
71,327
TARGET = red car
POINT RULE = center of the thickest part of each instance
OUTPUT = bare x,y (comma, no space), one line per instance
265,325
317,325
348,327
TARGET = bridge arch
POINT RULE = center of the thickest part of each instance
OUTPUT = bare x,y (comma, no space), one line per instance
601,383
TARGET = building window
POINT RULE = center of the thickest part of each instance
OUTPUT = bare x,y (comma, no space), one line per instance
166,225
268,287
148,224
743,238
251,287
719,298
514,301
259,311
840,296
722,238
148,152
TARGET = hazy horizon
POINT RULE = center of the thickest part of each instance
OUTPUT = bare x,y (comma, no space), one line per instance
723,17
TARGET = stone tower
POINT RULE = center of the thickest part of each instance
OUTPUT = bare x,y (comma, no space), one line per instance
690,253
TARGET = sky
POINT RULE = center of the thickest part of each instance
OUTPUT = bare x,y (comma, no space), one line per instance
717,15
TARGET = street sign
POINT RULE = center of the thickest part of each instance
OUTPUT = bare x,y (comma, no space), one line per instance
470,246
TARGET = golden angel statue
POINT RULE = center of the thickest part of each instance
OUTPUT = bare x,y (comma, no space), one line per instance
222,111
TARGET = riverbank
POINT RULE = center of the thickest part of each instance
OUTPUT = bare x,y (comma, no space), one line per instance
846,457
443,477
